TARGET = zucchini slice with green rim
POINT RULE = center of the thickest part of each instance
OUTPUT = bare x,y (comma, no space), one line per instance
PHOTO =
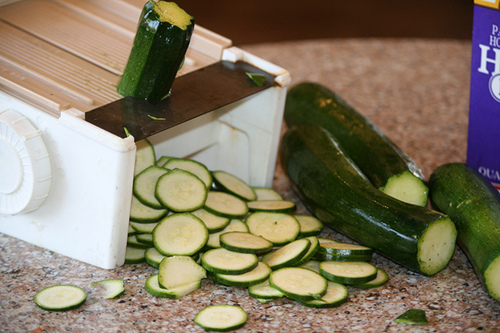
145,185
223,261
181,191
257,275
225,205
473,204
266,193
418,238
278,228
162,160
310,252
346,249
336,294
309,225
153,287
227,182
153,257
351,272
178,271
370,149
213,222
146,239
413,317
234,225
60,298
143,228
274,206
312,264
180,234
244,242
144,156
142,213
133,242
323,256
288,255
297,283
161,41
196,168
264,290
221,318
381,279
134,255
110,288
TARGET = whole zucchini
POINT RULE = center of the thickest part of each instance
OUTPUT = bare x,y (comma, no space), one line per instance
160,44
336,192
386,165
474,205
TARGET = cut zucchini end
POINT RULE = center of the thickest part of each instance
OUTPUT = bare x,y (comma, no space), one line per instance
408,188
221,318
492,278
170,12
60,298
437,245
110,288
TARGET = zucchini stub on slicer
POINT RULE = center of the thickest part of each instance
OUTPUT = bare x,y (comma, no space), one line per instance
161,41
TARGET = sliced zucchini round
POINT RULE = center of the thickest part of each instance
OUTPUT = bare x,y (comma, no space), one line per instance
153,287
264,290
336,294
244,242
180,234
257,275
213,222
145,185
195,167
60,298
323,256
223,261
227,182
275,206
266,193
350,272
221,318
288,255
143,228
225,205
153,257
381,279
142,213
178,271
278,228
134,255
310,252
110,288
345,249
234,225
181,191
309,225
298,283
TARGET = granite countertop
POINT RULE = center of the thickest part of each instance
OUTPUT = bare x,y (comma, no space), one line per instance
414,90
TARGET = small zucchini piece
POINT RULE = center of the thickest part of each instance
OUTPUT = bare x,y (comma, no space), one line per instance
300,284
110,288
221,318
161,41
335,191
336,294
60,298
386,165
473,204
413,317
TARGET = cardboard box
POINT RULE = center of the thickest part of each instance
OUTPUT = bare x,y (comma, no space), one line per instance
483,151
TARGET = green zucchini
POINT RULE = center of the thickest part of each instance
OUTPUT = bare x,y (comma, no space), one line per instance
337,193
161,41
474,205
386,165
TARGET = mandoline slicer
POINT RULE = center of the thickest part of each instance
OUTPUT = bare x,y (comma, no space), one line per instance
67,167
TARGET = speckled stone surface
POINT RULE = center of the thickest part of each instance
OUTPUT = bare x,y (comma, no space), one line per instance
417,92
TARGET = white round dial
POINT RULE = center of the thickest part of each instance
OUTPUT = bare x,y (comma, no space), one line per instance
25,170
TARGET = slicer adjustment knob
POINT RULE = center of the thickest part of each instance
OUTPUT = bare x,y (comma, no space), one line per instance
25,169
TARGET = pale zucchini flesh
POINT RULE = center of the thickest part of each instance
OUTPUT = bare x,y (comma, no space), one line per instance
278,228
224,261
60,298
180,191
178,271
221,317
297,283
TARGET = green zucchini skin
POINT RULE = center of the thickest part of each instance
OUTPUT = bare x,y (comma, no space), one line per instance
376,155
474,206
336,192
156,56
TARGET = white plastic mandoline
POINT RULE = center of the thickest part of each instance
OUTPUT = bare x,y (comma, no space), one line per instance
66,185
